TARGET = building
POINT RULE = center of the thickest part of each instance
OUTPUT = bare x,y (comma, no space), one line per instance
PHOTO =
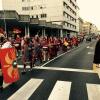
94,29
89,28
81,26
61,12
80,33
8,4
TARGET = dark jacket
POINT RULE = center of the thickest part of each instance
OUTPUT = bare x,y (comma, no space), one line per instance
97,53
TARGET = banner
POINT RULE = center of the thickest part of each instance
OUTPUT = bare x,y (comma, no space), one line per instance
9,65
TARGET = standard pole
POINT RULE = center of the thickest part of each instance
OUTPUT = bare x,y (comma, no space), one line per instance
5,25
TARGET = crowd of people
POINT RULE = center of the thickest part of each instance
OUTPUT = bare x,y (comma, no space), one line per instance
37,48
41,48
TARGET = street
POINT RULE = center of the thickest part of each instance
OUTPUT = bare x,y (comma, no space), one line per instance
67,77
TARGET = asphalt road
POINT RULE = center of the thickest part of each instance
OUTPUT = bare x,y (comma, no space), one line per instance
80,58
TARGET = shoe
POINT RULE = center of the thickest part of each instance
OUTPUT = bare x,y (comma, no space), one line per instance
34,65
30,69
1,89
24,71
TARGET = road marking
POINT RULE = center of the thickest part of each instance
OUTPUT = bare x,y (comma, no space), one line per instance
90,53
60,91
59,56
22,66
27,90
54,58
65,69
88,47
93,91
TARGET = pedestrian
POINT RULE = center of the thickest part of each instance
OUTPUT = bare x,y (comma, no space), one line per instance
1,79
96,60
37,49
5,43
27,54
18,45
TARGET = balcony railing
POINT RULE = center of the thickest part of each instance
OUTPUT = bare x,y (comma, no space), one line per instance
24,18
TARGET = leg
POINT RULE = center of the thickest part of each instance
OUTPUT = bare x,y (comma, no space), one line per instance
1,83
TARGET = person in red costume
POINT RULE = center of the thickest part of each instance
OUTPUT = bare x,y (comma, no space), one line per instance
4,44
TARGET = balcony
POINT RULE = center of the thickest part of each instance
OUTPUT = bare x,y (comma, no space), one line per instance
24,18
9,15
42,22
34,21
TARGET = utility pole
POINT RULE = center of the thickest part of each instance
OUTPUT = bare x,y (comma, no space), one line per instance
5,25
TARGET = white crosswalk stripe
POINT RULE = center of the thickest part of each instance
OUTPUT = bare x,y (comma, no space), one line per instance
60,91
27,90
93,91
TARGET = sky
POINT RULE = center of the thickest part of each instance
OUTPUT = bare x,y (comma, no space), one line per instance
90,11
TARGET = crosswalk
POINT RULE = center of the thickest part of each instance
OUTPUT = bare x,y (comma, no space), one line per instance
61,90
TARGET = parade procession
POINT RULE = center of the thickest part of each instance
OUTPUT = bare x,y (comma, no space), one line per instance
30,50
49,50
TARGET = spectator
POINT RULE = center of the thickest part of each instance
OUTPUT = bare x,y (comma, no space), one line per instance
96,60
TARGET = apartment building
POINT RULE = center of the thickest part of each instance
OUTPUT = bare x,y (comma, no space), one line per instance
61,12
81,25
89,28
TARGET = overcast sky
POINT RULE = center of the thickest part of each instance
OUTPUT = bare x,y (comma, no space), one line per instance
90,11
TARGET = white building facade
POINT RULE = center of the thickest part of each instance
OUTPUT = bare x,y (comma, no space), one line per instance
61,12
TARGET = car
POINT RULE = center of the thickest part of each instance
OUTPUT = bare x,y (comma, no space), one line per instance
88,39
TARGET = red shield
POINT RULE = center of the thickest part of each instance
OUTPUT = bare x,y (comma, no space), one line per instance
9,70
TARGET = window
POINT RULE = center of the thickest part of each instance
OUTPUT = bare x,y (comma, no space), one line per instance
64,4
43,15
32,16
31,8
36,16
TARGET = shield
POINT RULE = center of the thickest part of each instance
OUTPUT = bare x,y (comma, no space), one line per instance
9,65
